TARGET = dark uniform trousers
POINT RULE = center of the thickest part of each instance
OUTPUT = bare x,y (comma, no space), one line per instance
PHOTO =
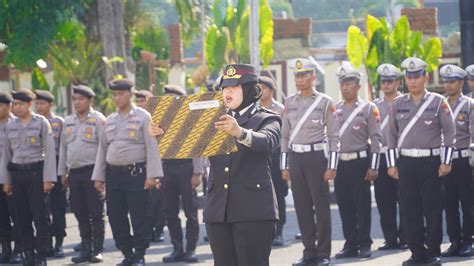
241,243
125,195
87,203
56,209
176,183
8,227
30,206
157,214
386,196
311,196
281,189
354,201
420,201
458,189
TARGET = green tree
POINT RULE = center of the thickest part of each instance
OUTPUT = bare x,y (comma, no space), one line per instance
384,44
28,27
227,37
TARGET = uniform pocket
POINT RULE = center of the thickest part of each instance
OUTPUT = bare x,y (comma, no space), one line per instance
33,138
110,132
13,139
89,134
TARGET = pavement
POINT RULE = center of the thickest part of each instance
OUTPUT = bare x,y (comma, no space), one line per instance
286,255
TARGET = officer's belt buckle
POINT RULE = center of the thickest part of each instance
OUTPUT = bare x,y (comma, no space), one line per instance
383,150
136,171
302,148
349,156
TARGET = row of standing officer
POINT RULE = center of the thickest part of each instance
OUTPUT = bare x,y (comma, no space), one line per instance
358,141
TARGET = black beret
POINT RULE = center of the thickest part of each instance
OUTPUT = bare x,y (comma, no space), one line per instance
238,74
44,95
5,97
175,89
121,84
83,90
24,95
143,94
267,81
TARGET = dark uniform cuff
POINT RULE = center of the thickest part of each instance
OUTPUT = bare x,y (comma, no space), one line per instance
448,155
333,160
391,157
284,161
374,161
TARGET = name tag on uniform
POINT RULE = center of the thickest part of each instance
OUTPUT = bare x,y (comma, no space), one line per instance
33,140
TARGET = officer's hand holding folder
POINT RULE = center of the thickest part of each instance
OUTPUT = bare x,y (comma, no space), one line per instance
186,125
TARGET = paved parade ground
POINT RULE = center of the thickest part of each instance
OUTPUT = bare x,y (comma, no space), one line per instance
280,256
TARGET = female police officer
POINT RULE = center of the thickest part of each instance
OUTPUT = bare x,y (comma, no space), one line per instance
241,209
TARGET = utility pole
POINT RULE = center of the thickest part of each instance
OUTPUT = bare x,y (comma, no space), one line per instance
203,31
467,32
254,29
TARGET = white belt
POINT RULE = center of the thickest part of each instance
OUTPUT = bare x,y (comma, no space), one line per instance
417,153
383,150
301,148
349,156
461,154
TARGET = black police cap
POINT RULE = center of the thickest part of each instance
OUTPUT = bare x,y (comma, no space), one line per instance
44,95
121,84
83,90
24,95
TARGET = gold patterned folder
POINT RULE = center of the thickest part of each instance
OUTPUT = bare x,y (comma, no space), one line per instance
188,123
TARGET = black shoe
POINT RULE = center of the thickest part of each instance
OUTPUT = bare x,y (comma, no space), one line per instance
127,261
29,258
58,248
452,251
433,261
160,237
17,257
50,253
277,241
97,250
138,262
403,246
298,236
191,256
77,247
6,254
411,262
85,254
175,256
364,252
205,238
324,261
466,250
41,262
389,246
346,253
306,261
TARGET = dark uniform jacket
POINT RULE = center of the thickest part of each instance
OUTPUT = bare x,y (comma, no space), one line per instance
240,185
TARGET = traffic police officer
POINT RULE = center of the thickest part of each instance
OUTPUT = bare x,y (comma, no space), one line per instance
156,212
458,183
181,177
418,123
241,208
281,186
7,231
470,80
56,201
308,120
360,135
28,171
79,144
129,162
386,187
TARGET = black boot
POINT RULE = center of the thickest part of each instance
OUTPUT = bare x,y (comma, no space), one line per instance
97,251
29,259
139,257
6,254
58,248
85,254
17,256
453,250
177,254
278,240
77,247
127,256
41,260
